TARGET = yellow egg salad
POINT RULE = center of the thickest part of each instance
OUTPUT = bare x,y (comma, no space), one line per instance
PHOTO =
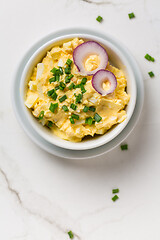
64,100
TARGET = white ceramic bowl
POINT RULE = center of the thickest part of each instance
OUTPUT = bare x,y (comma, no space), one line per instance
116,57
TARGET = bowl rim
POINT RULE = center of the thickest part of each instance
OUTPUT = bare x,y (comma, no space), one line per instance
61,144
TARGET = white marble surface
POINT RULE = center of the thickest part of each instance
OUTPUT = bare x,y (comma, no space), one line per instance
42,196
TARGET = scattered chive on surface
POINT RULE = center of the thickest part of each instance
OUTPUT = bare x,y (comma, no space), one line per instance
85,109
124,147
73,106
41,115
61,70
65,108
93,109
57,87
63,98
71,235
149,58
67,70
75,116
83,90
151,74
68,78
50,92
69,62
99,19
97,117
54,96
53,79
115,190
50,124
71,86
53,107
84,80
89,121
115,198
72,120
78,98
131,15
62,86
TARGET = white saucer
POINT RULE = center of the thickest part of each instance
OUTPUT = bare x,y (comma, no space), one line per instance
77,154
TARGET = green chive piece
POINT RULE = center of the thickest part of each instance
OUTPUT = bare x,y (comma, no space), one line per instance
53,79
116,190
54,70
60,70
97,117
72,120
124,147
75,116
71,235
62,86
84,80
78,98
149,58
53,107
50,92
99,19
89,121
83,90
69,62
85,109
151,74
68,78
67,70
77,86
93,109
65,108
50,124
54,96
41,115
57,78
131,15
57,87
115,198
71,86
73,106
63,98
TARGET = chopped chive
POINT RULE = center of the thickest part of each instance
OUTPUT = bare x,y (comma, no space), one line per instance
72,120
93,109
78,98
63,98
83,90
75,116
124,147
89,120
65,108
54,96
151,74
99,19
116,190
62,86
68,78
84,80
77,86
71,235
54,70
85,109
41,115
73,106
50,92
97,117
67,70
53,107
53,79
69,62
57,78
115,198
57,87
131,15
71,86
149,58
60,70
50,124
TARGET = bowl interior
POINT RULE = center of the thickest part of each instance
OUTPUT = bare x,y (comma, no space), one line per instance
116,58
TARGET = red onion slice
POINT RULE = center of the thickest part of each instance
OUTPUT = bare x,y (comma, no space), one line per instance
102,76
84,50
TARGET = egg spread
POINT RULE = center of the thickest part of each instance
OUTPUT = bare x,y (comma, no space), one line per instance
65,101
